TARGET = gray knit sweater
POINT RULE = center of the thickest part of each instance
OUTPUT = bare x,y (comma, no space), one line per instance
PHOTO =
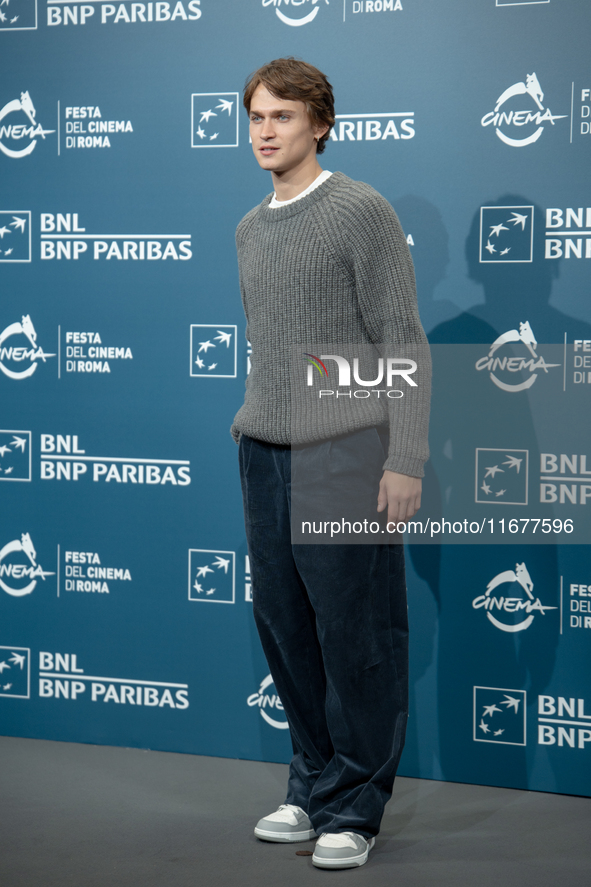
330,269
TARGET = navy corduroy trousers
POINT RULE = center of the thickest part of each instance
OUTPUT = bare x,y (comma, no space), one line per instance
333,624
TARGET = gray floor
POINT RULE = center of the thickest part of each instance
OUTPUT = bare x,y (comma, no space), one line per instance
95,816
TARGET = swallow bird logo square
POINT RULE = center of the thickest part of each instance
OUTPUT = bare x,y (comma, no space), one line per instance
500,715
212,576
214,119
15,455
18,15
506,233
15,234
501,476
15,672
213,350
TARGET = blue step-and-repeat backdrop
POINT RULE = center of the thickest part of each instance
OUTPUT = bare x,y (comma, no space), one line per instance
125,166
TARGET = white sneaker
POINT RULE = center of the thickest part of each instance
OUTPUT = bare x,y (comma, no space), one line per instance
341,850
289,824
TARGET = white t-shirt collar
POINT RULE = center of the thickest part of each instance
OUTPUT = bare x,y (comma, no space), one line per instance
324,175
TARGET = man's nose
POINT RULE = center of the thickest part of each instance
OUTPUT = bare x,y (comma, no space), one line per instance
268,131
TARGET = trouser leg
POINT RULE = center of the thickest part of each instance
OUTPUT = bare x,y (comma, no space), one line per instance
284,617
359,597
333,625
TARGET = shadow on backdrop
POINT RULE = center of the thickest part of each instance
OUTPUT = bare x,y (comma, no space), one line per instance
471,651
423,222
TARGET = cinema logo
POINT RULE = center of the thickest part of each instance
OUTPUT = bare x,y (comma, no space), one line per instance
19,351
515,127
19,570
580,605
369,6
517,600
62,458
268,703
388,369
19,129
127,13
582,362
84,572
60,677
289,12
86,353
63,237
378,127
585,112
508,365
85,128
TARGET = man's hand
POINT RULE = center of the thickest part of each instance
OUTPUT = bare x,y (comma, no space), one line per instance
402,495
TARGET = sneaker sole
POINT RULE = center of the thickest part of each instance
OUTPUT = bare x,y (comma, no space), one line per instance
285,838
348,862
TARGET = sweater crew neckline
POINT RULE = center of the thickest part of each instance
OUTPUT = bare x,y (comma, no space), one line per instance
278,213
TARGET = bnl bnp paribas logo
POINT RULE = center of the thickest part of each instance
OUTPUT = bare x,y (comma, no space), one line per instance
213,350
19,570
501,476
506,234
20,352
499,715
19,129
380,126
15,672
502,367
214,120
212,576
15,236
18,15
519,126
15,455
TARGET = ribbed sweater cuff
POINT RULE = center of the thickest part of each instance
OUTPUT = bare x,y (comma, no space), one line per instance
405,465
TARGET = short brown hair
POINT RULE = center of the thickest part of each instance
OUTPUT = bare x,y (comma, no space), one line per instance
298,81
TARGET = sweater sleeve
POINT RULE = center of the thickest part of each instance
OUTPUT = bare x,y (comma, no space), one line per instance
381,263
240,233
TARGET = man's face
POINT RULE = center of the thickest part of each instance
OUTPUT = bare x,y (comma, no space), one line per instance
282,134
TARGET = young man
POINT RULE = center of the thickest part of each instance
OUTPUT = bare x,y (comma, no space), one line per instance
323,259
